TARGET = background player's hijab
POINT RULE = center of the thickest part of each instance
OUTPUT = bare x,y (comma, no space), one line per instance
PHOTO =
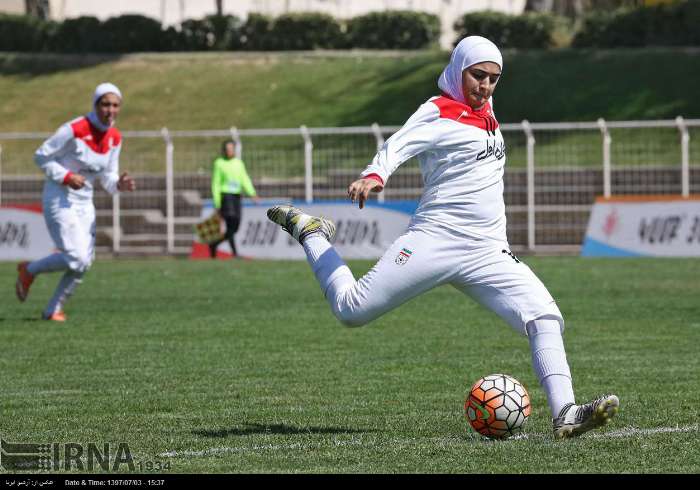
102,89
105,88
470,51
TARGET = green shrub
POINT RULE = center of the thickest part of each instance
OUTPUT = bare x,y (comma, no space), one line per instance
526,31
211,33
131,33
78,35
305,31
658,25
255,33
22,33
393,29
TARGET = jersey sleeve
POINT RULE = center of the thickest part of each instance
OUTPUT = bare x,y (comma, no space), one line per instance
246,183
216,184
417,135
110,176
46,155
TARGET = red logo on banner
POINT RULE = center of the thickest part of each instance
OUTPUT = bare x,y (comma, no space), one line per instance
611,222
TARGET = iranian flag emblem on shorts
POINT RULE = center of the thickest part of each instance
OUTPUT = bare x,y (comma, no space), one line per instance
403,256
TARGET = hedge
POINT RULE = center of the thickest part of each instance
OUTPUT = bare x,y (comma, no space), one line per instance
305,32
211,33
526,31
301,31
397,29
660,25
23,33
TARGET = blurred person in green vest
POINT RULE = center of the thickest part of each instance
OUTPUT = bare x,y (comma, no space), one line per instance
228,181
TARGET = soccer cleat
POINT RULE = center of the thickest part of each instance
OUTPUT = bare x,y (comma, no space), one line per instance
58,316
24,281
300,225
574,420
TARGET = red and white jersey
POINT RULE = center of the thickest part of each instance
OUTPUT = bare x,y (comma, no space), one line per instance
79,147
462,158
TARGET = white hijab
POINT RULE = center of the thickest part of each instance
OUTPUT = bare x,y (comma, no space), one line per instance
470,51
102,89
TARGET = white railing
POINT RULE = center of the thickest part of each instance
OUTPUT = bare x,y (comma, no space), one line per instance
304,163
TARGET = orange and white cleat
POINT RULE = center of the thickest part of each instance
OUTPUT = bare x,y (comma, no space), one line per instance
24,281
58,316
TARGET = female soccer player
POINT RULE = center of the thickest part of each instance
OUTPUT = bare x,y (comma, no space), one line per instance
458,233
228,180
80,151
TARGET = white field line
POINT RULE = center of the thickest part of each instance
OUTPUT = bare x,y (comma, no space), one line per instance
633,431
216,451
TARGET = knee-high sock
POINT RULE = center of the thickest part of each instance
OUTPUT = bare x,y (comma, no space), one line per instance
549,362
64,290
332,274
50,263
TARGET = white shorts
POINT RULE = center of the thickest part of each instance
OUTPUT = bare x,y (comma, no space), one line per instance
485,270
72,227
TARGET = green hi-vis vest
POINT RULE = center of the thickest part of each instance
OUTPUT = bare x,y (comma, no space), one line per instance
230,177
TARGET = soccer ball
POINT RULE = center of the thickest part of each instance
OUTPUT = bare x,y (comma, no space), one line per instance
498,406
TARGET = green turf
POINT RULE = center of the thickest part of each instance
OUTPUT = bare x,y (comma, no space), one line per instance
239,366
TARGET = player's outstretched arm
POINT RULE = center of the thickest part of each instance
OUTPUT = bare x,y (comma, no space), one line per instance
360,189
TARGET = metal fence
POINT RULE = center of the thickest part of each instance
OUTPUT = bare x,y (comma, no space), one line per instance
554,171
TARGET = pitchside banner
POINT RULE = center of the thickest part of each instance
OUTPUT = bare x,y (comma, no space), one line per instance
361,233
23,233
656,226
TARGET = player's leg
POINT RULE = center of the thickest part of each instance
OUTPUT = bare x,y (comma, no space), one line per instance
232,224
57,218
501,282
78,241
412,265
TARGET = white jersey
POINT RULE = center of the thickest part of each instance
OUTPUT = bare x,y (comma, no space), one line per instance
78,147
462,158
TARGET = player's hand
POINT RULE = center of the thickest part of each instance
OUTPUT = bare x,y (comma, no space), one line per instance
126,183
360,189
76,181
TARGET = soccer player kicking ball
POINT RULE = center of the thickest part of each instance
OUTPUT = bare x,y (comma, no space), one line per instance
80,151
458,233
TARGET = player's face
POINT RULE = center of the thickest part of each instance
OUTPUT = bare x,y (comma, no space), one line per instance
107,108
230,150
478,83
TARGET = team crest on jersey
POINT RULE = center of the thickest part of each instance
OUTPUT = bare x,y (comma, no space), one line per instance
403,256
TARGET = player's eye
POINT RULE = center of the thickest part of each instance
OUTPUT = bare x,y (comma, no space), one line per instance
478,75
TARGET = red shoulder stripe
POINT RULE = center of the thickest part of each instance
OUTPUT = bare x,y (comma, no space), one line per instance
462,113
98,141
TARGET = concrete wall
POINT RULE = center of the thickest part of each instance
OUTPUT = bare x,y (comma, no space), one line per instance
12,6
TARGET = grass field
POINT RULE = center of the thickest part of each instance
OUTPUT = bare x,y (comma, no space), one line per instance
239,366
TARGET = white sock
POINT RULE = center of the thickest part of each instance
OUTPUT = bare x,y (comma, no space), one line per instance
64,290
332,273
50,263
549,363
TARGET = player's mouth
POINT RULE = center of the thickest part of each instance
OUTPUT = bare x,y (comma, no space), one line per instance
478,96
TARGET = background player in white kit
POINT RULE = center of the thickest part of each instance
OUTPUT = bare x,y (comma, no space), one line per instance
81,151
458,233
